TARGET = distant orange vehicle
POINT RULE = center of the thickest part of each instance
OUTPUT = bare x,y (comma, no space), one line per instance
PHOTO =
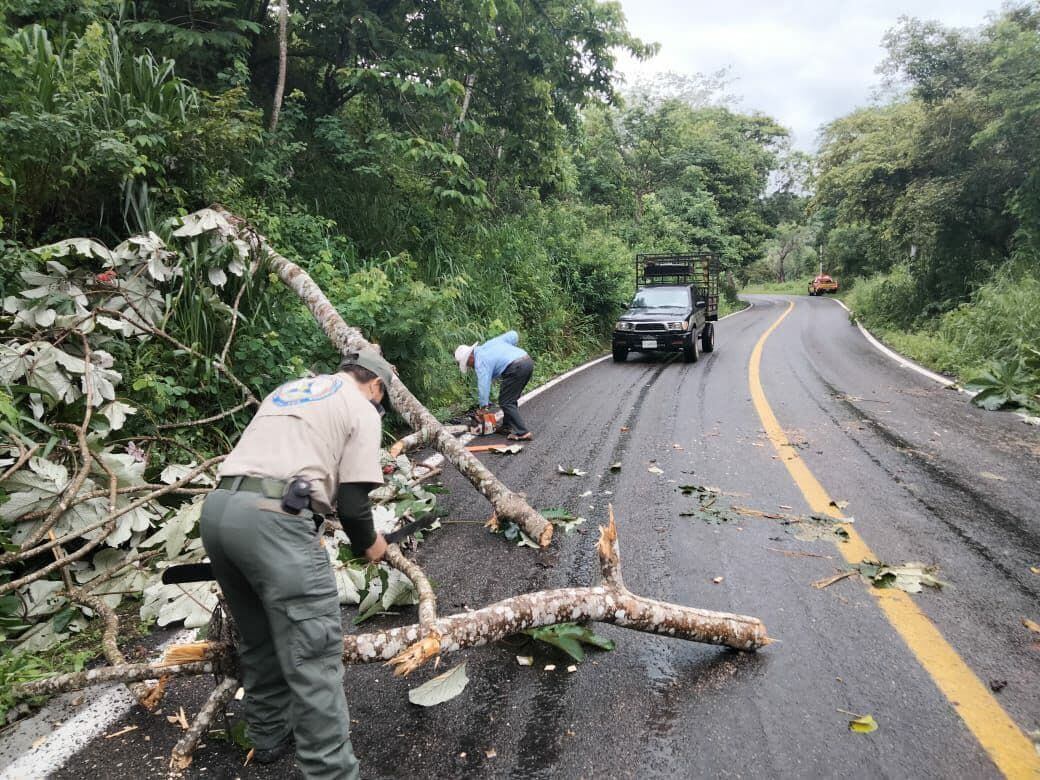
823,284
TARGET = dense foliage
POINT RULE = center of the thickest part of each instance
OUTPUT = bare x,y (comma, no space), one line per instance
938,193
443,170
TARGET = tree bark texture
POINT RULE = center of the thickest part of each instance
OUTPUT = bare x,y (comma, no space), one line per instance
349,339
180,757
126,673
283,58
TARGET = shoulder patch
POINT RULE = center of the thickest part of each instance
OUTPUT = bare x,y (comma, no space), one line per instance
305,391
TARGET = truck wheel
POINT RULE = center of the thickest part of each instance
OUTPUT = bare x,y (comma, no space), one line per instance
620,355
708,338
689,352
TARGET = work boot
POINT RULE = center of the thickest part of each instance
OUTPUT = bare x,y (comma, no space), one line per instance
272,754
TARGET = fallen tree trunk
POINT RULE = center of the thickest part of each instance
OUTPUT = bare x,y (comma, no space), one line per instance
408,647
349,339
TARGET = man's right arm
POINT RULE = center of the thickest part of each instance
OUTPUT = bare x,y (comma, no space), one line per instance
355,515
359,473
483,370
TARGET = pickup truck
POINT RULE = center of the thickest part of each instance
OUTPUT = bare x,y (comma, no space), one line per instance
823,284
674,309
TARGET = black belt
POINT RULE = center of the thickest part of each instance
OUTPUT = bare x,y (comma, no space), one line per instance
271,488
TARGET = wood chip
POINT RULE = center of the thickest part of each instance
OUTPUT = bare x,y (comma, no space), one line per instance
121,732
1031,625
550,668
800,553
249,756
572,668
828,581
717,580
490,752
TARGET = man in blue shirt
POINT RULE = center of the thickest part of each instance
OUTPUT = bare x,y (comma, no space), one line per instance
500,358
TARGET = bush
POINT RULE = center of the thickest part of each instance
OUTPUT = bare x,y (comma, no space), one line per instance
887,301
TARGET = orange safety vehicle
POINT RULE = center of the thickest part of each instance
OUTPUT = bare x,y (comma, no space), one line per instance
823,284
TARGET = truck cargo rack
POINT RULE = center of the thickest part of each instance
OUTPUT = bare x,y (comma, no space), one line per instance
700,270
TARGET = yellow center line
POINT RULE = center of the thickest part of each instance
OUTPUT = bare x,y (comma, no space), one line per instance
1010,749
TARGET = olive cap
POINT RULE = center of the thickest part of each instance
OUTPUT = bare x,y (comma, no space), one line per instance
374,362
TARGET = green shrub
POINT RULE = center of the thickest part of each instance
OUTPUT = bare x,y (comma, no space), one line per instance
887,301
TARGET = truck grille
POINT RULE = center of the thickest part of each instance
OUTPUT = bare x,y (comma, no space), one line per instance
644,327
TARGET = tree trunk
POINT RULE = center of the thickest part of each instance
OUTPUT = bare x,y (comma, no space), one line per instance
470,81
283,58
345,338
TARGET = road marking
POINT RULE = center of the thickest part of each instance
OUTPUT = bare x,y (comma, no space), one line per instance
902,360
1011,750
102,708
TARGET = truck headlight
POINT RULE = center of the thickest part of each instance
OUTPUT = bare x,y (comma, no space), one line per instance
676,326
623,326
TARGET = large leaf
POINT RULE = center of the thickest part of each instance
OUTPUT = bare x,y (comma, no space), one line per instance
570,637
174,531
84,247
441,688
191,602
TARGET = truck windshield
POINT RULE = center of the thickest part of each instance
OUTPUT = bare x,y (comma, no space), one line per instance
662,298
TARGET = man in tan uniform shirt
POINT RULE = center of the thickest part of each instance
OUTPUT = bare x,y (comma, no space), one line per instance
312,447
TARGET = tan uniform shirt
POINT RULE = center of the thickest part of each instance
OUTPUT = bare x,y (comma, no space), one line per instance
322,428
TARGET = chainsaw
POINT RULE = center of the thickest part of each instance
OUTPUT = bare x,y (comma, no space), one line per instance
203,572
484,421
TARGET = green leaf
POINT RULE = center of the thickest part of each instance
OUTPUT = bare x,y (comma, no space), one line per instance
570,637
441,688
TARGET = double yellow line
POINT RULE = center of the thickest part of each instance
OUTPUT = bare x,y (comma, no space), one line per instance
1010,749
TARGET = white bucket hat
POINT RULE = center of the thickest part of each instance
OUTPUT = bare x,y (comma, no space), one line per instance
462,353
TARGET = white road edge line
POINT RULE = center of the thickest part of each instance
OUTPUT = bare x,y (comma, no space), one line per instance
906,362
902,360
108,705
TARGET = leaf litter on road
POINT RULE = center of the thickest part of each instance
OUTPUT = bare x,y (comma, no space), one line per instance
441,688
570,472
862,724
910,577
570,637
511,449
563,519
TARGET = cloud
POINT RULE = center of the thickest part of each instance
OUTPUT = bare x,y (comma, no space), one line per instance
802,63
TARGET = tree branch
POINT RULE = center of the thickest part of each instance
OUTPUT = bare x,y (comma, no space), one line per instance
349,339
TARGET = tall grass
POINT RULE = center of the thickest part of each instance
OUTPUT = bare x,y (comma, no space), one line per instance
1000,322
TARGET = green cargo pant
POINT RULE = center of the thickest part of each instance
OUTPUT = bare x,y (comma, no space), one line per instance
281,591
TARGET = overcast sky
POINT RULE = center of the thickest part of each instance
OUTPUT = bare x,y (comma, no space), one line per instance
803,63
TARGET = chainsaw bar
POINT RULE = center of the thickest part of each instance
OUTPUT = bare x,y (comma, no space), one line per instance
203,572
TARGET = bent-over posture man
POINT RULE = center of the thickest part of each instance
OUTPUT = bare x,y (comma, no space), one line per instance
500,358
313,445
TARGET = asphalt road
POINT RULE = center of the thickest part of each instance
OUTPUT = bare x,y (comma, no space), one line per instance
927,478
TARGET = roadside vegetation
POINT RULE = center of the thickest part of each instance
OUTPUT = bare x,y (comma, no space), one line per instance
927,208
